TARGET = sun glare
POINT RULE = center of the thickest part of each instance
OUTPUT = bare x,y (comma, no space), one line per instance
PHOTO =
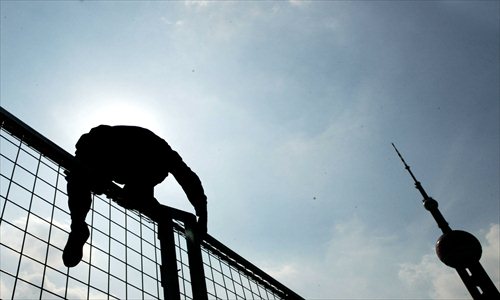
91,109
122,113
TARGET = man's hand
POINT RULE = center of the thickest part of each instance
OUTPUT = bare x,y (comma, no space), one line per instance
201,224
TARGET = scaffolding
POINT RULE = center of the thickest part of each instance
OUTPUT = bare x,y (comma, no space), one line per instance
128,255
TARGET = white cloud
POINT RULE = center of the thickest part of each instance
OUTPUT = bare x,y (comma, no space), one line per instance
5,290
298,2
196,3
443,282
491,254
431,276
31,271
358,263
351,265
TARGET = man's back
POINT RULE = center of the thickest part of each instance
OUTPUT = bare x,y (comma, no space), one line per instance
126,153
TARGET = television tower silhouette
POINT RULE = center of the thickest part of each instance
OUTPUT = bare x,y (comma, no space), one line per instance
458,249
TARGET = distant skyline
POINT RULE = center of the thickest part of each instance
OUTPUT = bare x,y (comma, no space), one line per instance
287,111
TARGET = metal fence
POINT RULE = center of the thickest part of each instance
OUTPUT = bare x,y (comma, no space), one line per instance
128,256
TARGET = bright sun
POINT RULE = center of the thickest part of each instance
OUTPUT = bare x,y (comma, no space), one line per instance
110,109
121,113
126,113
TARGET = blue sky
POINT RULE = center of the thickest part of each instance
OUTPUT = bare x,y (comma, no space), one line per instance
286,110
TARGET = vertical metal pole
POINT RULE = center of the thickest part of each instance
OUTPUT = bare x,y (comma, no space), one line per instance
196,269
169,275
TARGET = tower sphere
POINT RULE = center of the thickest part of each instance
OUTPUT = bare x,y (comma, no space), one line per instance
430,204
458,249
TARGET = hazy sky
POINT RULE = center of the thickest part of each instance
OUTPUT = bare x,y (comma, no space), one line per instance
286,110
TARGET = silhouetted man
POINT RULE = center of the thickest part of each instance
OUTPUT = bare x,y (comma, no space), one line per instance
128,155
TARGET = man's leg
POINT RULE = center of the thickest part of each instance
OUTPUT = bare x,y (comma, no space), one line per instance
140,197
79,201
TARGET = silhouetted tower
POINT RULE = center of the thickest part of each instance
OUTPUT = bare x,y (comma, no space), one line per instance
458,249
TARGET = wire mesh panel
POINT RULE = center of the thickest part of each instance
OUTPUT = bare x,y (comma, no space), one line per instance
122,258
228,278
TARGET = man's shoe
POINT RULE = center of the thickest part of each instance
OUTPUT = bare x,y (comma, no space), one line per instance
73,251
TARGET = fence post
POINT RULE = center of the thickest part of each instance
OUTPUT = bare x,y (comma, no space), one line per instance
169,275
196,269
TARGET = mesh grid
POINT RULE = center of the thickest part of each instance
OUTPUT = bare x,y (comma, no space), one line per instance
122,258
227,279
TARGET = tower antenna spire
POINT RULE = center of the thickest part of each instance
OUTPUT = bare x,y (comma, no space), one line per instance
430,204
418,185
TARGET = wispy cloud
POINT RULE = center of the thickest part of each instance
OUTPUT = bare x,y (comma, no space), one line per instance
32,271
346,267
197,3
432,277
298,2
442,282
360,263
491,253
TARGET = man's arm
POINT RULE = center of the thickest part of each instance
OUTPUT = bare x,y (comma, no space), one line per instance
193,188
